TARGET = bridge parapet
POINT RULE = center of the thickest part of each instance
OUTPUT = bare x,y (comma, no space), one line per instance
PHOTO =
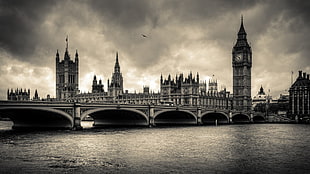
75,112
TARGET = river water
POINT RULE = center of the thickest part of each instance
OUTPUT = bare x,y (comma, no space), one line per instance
247,148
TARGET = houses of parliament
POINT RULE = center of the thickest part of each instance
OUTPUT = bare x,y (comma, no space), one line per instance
181,90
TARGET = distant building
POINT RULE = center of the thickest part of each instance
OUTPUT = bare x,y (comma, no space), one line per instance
115,88
212,85
18,95
67,76
261,97
97,87
299,98
283,104
180,91
36,96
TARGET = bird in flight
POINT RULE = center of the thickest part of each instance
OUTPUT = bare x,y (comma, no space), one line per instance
143,35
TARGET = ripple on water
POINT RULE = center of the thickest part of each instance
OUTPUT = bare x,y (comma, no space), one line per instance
263,148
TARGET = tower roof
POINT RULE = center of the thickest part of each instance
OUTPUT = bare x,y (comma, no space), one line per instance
302,80
241,30
261,90
242,40
116,67
67,56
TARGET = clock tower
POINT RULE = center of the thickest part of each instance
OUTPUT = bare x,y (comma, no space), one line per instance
242,64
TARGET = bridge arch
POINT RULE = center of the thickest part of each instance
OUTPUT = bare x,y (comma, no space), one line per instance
178,117
43,118
240,118
210,117
117,117
258,119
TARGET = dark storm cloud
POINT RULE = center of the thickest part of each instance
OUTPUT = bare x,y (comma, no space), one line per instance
182,35
129,14
19,21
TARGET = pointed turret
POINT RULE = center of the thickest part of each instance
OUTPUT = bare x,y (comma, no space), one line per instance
116,67
242,34
76,56
57,56
95,80
67,56
197,77
242,40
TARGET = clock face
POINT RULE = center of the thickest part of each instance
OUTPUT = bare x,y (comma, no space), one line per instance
238,57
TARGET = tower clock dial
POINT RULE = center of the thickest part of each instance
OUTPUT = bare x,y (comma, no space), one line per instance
238,57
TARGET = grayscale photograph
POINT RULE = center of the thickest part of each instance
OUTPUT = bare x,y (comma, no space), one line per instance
154,86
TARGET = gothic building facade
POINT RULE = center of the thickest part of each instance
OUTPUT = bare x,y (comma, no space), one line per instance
115,88
184,91
189,91
181,90
97,87
67,75
299,98
242,64
18,95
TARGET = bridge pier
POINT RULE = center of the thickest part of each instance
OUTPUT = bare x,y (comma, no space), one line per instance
199,120
151,116
230,117
77,116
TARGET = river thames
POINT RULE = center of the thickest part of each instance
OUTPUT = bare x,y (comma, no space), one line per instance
247,148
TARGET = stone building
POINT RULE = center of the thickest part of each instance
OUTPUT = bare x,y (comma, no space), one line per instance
181,90
67,75
97,87
260,97
189,91
36,96
242,64
115,88
146,97
18,95
212,85
299,99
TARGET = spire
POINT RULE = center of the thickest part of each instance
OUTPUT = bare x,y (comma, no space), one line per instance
241,33
116,67
67,57
261,90
117,57
67,43
57,56
197,77
76,56
36,94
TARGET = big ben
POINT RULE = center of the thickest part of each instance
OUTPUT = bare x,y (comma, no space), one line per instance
242,64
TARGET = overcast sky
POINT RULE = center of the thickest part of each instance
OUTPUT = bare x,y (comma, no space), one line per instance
182,36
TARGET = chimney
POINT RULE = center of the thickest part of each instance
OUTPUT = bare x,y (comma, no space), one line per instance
300,74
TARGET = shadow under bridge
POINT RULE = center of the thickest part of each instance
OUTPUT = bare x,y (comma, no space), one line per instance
241,118
173,117
214,118
117,117
37,118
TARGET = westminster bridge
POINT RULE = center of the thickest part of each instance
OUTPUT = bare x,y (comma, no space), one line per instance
30,114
